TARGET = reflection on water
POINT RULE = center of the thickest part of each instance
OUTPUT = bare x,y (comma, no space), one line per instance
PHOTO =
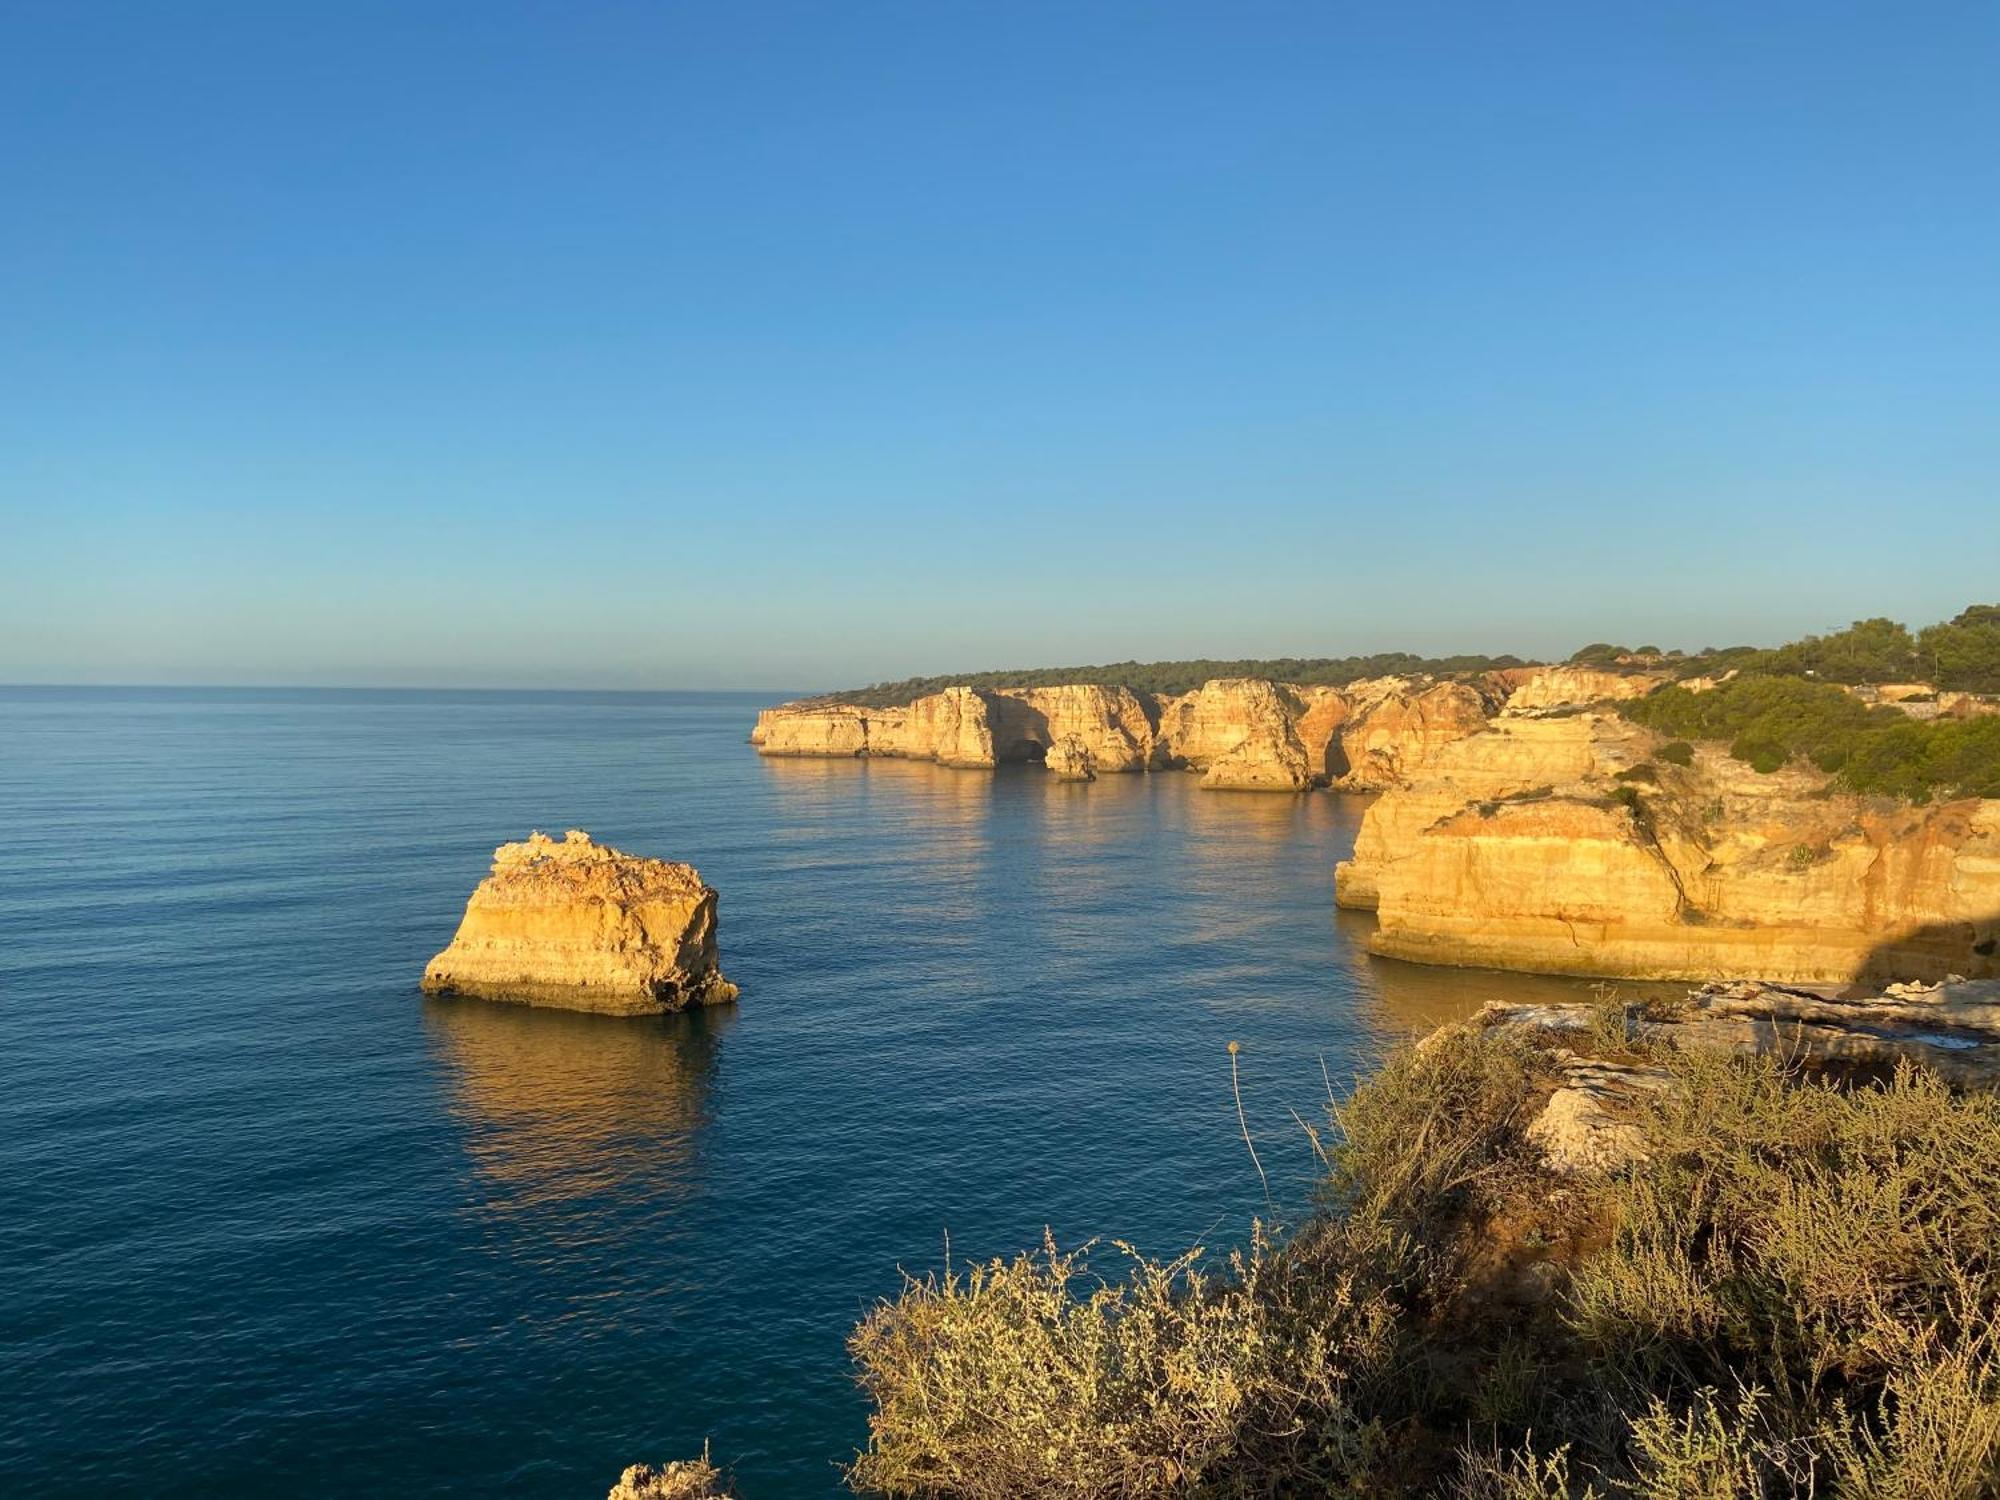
567,1109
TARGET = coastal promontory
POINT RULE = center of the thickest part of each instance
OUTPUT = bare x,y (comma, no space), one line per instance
570,922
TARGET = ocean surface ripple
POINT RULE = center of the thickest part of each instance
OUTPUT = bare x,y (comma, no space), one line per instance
276,1224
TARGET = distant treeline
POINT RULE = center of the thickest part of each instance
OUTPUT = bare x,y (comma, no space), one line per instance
1184,676
1768,720
1961,654
1791,702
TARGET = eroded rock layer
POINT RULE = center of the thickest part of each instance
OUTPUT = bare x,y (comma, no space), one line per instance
1560,845
1239,733
575,923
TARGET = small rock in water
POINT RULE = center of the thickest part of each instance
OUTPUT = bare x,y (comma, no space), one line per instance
578,924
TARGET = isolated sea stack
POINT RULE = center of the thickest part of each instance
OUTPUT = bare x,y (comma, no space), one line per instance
577,924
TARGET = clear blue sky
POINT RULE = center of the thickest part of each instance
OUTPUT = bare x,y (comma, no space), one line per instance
688,344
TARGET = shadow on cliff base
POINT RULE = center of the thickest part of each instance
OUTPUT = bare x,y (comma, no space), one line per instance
1970,949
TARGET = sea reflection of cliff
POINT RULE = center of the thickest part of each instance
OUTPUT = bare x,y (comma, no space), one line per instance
1410,999
561,1109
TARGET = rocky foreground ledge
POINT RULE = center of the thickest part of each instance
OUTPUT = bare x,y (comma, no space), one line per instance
578,924
1591,1120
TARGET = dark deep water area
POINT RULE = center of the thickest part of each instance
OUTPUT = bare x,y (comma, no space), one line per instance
276,1224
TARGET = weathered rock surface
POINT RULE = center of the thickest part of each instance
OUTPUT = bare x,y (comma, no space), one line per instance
1587,1124
1245,733
1591,1121
1524,847
577,924
1951,1027
1564,687
1069,759
1405,731
1239,732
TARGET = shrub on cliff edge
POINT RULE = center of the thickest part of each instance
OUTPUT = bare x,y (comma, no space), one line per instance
1794,1291
1769,720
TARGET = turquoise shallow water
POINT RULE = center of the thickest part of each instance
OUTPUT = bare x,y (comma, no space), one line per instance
274,1223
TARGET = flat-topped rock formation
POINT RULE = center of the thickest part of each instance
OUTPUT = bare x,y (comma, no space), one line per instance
577,924
1566,845
1242,733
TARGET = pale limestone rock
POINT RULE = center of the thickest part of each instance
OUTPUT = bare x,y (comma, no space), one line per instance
1244,732
1239,731
1119,728
1322,713
578,924
1952,1027
813,728
1562,687
1588,1125
953,728
1069,759
1405,731
1274,763
1520,849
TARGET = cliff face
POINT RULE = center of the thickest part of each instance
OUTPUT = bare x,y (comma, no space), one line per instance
1404,731
1523,848
1240,733
1560,687
1244,733
577,924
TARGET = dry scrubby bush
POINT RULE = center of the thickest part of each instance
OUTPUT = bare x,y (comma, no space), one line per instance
1795,1293
1032,1377
684,1479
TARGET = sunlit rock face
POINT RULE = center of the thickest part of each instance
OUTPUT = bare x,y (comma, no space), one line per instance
577,924
1403,731
1524,847
1069,759
1563,687
1117,727
1239,733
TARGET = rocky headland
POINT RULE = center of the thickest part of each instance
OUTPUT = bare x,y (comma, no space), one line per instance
1577,843
1817,813
1239,733
574,923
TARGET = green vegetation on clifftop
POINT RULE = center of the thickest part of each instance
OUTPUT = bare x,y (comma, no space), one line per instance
1961,654
1769,720
1183,676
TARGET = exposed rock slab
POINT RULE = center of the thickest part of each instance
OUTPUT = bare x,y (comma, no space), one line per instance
1951,1027
575,923
1588,1124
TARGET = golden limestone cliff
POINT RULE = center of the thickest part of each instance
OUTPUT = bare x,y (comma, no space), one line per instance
1562,845
1402,732
574,923
1559,687
1238,733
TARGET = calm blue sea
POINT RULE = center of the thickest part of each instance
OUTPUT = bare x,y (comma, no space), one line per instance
273,1223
